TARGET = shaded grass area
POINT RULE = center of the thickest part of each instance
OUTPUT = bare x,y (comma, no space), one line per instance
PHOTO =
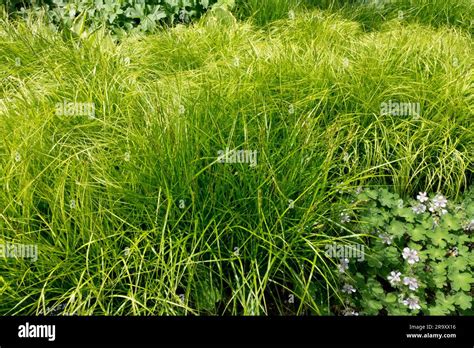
132,211
371,14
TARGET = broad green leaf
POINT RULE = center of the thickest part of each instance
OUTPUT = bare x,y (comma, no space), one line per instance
373,220
372,194
392,255
375,287
462,300
417,234
439,310
461,281
391,298
387,199
371,306
438,237
457,264
374,261
396,228
439,280
435,253
443,304
406,213
450,222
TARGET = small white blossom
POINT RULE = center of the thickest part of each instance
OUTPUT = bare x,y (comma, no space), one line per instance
419,209
469,226
346,157
422,197
394,278
348,289
412,303
386,238
291,15
439,201
345,218
344,265
411,282
410,255
350,312
291,109
345,63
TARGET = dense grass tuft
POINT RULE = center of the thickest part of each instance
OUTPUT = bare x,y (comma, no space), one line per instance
132,209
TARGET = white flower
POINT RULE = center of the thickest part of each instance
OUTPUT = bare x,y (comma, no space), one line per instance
439,201
350,312
394,278
345,63
345,218
348,289
344,265
411,282
469,226
412,303
410,255
419,209
422,197
386,238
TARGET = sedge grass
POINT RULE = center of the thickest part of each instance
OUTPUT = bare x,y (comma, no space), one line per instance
132,212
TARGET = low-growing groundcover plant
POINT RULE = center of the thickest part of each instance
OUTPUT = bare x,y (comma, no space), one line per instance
207,169
85,16
419,255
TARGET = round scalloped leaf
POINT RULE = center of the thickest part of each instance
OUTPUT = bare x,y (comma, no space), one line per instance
418,233
461,281
450,222
462,300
